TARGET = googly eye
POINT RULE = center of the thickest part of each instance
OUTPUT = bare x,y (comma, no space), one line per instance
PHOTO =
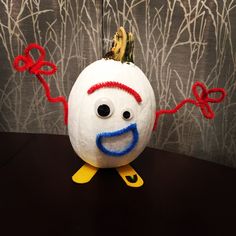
104,108
127,114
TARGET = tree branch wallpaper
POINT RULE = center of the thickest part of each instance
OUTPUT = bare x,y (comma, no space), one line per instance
177,42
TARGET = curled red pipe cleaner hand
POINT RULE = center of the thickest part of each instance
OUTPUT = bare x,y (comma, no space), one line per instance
202,100
36,67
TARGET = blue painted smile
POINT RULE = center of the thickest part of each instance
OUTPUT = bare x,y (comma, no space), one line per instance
131,128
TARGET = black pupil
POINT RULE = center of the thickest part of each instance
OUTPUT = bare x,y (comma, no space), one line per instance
126,114
103,110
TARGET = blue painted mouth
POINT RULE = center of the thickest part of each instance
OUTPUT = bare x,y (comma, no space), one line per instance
131,128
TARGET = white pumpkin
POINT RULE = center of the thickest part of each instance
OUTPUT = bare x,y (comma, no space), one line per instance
109,127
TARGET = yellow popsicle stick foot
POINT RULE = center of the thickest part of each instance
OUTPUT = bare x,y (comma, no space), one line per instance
84,174
130,176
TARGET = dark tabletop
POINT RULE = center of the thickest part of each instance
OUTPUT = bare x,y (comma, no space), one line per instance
181,195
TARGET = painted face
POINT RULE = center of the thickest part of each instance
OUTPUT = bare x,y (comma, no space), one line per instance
111,113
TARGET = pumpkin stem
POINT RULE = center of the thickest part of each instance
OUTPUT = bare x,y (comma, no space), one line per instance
122,46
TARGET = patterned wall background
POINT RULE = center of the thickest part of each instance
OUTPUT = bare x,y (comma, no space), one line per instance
177,42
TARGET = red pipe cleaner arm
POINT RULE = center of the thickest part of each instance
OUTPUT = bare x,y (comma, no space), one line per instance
35,67
202,100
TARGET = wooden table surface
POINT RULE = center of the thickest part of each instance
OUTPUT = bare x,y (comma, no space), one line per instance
181,195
